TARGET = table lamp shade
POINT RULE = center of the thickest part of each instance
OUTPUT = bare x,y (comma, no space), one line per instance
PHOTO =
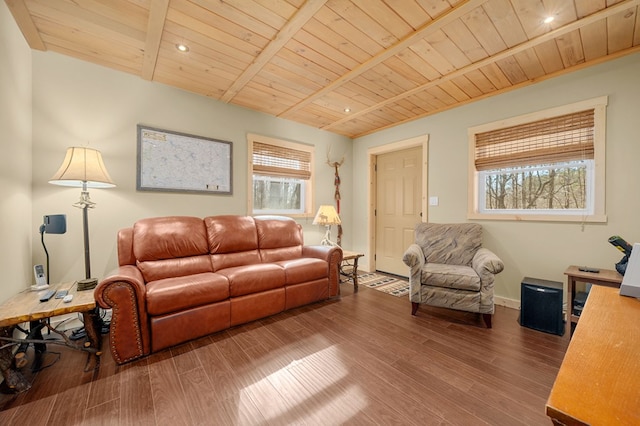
82,166
327,215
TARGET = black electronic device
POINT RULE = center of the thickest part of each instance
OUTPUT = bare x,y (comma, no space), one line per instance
55,223
579,301
47,295
61,294
621,244
541,305
624,247
52,224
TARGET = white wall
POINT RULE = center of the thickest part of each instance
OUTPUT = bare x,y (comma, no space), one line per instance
535,249
15,162
75,103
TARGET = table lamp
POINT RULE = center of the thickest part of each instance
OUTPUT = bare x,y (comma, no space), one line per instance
327,216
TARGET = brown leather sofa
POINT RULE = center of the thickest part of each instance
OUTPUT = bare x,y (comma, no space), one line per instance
180,278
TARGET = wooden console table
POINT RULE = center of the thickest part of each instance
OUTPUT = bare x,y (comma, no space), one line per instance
26,307
606,277
599,380
351,272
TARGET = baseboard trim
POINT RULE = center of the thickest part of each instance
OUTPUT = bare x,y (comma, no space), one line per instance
506,302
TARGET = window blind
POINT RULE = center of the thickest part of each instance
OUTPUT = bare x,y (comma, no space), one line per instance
272,160
564,138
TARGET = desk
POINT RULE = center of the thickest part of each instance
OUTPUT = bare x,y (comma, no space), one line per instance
26,307
353,272
599,380
606,277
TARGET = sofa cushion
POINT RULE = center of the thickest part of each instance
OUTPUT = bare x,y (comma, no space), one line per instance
153,270
232,240
450,276
169,237
171,246
452,244
279,238
251,279
176,294
304,269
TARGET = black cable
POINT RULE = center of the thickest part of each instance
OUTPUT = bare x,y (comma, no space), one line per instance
46,252
42,228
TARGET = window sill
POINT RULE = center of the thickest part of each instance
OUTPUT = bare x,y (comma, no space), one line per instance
596,218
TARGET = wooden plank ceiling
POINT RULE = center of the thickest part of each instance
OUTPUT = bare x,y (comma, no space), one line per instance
387,61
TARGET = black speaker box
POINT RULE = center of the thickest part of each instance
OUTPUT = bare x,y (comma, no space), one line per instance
541,305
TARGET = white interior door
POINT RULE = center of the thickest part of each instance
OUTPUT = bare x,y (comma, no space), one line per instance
398,206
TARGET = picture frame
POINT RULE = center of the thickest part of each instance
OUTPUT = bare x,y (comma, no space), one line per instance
170,161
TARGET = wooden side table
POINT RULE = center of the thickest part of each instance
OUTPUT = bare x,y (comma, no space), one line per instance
26,307
352,268
606,277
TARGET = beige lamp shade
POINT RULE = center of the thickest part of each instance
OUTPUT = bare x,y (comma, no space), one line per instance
327,215
82,166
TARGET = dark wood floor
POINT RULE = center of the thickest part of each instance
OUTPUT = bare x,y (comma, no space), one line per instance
362,359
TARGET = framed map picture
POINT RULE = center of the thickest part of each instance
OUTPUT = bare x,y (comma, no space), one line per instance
179,162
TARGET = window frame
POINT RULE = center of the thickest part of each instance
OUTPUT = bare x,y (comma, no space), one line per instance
597,190
309,184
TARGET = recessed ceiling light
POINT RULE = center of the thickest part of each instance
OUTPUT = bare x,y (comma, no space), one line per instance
182,47
548,19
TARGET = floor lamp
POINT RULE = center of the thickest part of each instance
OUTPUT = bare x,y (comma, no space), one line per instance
83,168
327,216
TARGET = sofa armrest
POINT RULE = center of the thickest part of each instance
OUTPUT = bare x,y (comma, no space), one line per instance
321,252
413,257
128,274
123,291
333,256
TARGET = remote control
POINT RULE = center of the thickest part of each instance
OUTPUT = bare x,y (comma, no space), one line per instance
68,298
587,269
48,295
61,293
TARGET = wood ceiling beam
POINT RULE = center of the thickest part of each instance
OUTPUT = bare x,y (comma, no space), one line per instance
575,25
155,27
25,23
430,27
306,12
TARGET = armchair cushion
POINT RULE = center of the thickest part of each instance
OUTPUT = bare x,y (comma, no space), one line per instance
451,276
450,244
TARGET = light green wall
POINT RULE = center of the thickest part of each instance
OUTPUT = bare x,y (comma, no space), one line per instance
15,162
75,103
535,249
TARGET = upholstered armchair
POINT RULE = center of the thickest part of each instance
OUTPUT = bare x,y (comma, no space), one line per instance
449,268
